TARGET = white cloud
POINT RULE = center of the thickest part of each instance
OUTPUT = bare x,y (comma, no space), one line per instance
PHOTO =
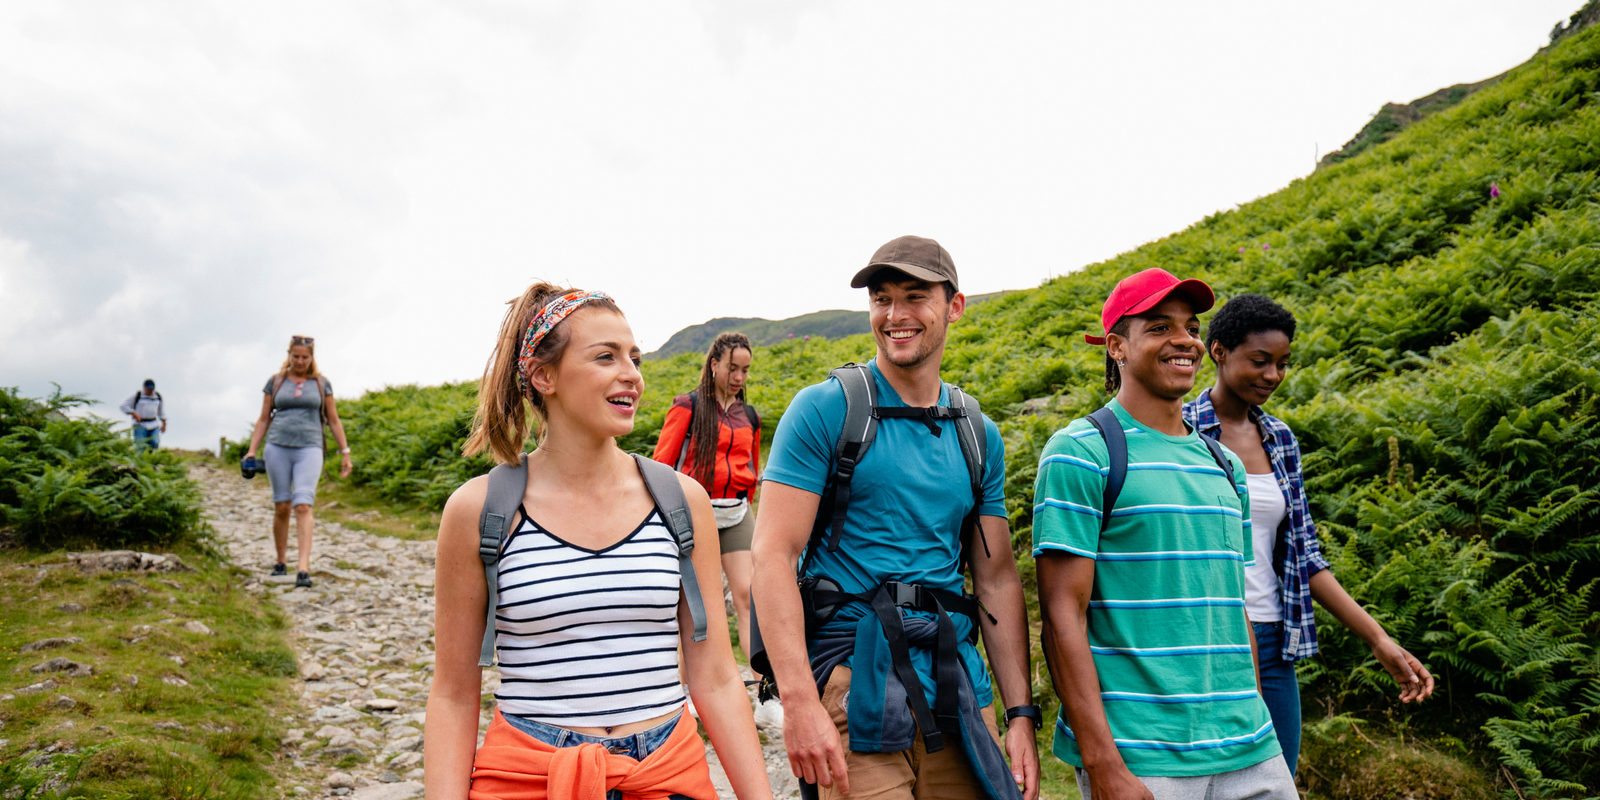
184,184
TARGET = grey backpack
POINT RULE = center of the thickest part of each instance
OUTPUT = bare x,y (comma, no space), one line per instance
508,484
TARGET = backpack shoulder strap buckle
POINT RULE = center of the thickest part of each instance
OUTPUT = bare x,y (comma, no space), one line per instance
904,595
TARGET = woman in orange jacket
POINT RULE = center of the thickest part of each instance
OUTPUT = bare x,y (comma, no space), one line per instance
718,443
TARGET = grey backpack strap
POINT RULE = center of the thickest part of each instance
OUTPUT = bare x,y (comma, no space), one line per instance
507,485
662,481
974,439
1105,421
855,437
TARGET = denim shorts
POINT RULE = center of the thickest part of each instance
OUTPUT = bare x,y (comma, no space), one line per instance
637,746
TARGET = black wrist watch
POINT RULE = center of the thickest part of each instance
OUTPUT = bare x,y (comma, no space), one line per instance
1031,712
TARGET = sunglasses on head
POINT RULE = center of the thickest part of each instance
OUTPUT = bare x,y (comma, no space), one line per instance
301,340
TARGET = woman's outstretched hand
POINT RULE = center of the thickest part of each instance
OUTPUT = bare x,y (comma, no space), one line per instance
344,465
1416,683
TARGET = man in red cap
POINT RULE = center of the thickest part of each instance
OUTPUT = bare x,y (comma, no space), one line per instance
1141,535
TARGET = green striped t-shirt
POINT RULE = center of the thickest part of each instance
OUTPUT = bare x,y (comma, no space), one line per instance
1166,616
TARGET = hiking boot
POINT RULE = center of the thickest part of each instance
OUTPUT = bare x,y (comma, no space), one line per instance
302,580
280,569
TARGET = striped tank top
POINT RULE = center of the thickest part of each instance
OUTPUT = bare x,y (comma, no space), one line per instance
588,638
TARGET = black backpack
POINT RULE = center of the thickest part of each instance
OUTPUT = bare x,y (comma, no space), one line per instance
1105,421
508,484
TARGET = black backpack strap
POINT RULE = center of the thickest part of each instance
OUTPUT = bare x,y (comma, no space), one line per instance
1221,458
1105,421
750,414
974,439
683,449
855,438
662,481
507,485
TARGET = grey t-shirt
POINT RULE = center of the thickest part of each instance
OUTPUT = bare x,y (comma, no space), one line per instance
297,421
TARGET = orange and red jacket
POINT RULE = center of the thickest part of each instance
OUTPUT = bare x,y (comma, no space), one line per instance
738,464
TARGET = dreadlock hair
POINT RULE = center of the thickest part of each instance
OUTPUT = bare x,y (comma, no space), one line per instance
1113,374
1246,314
703,426
501,422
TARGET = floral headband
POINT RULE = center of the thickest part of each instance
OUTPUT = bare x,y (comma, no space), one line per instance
543,322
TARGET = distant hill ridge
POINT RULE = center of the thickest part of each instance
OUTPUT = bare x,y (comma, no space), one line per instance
1396,117
832,324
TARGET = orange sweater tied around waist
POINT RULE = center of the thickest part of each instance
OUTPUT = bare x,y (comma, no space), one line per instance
512,765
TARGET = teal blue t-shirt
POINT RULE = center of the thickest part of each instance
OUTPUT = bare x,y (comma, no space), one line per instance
907,499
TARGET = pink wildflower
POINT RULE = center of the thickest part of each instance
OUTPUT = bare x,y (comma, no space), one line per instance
1266,247
1494,190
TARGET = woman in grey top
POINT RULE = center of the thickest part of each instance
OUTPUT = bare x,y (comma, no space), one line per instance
298,402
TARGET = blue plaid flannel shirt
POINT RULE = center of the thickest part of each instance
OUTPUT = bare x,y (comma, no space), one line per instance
1302,555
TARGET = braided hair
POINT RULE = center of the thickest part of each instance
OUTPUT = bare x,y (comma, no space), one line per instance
703,432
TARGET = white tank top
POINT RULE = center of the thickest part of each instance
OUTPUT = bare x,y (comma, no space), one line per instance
588,638
1263,595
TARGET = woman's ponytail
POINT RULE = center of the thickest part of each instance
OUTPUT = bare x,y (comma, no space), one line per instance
501,422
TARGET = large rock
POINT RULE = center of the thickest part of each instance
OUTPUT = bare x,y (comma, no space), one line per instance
126,560
45,644
74,669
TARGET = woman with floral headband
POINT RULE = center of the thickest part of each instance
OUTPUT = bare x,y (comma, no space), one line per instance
590,613
298,404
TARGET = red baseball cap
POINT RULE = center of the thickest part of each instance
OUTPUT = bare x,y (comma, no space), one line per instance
1145,290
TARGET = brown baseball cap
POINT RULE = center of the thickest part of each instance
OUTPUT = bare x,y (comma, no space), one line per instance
923,259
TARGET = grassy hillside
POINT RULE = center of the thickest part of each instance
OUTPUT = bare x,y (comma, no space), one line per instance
1447,397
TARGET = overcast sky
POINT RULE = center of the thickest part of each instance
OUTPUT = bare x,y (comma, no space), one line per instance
185,184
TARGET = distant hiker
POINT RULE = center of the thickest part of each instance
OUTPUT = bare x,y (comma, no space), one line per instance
576,565
298,403
149,414
1141,538
1249,340
884,483
719,445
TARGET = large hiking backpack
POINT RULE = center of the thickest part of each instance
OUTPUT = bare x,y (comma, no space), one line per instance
508,484
821,597
1105,421
322,388
694,400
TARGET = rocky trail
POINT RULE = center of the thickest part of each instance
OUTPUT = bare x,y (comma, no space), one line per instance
364,637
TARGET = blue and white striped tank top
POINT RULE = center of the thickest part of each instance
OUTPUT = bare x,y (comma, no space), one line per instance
588,638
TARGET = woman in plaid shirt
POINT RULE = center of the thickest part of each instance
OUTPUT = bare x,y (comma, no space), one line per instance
1249,341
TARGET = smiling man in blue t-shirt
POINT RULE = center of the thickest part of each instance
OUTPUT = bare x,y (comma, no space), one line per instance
896,563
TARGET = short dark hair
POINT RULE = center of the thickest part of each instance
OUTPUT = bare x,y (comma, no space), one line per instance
1246,314
1113,376
884,276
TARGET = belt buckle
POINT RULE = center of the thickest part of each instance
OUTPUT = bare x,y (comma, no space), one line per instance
904,595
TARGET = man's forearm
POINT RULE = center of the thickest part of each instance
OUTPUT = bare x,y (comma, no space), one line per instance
1065,584
1006,640
1077,683
783,630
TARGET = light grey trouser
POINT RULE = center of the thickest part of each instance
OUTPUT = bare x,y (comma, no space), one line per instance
294,472
1269,780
